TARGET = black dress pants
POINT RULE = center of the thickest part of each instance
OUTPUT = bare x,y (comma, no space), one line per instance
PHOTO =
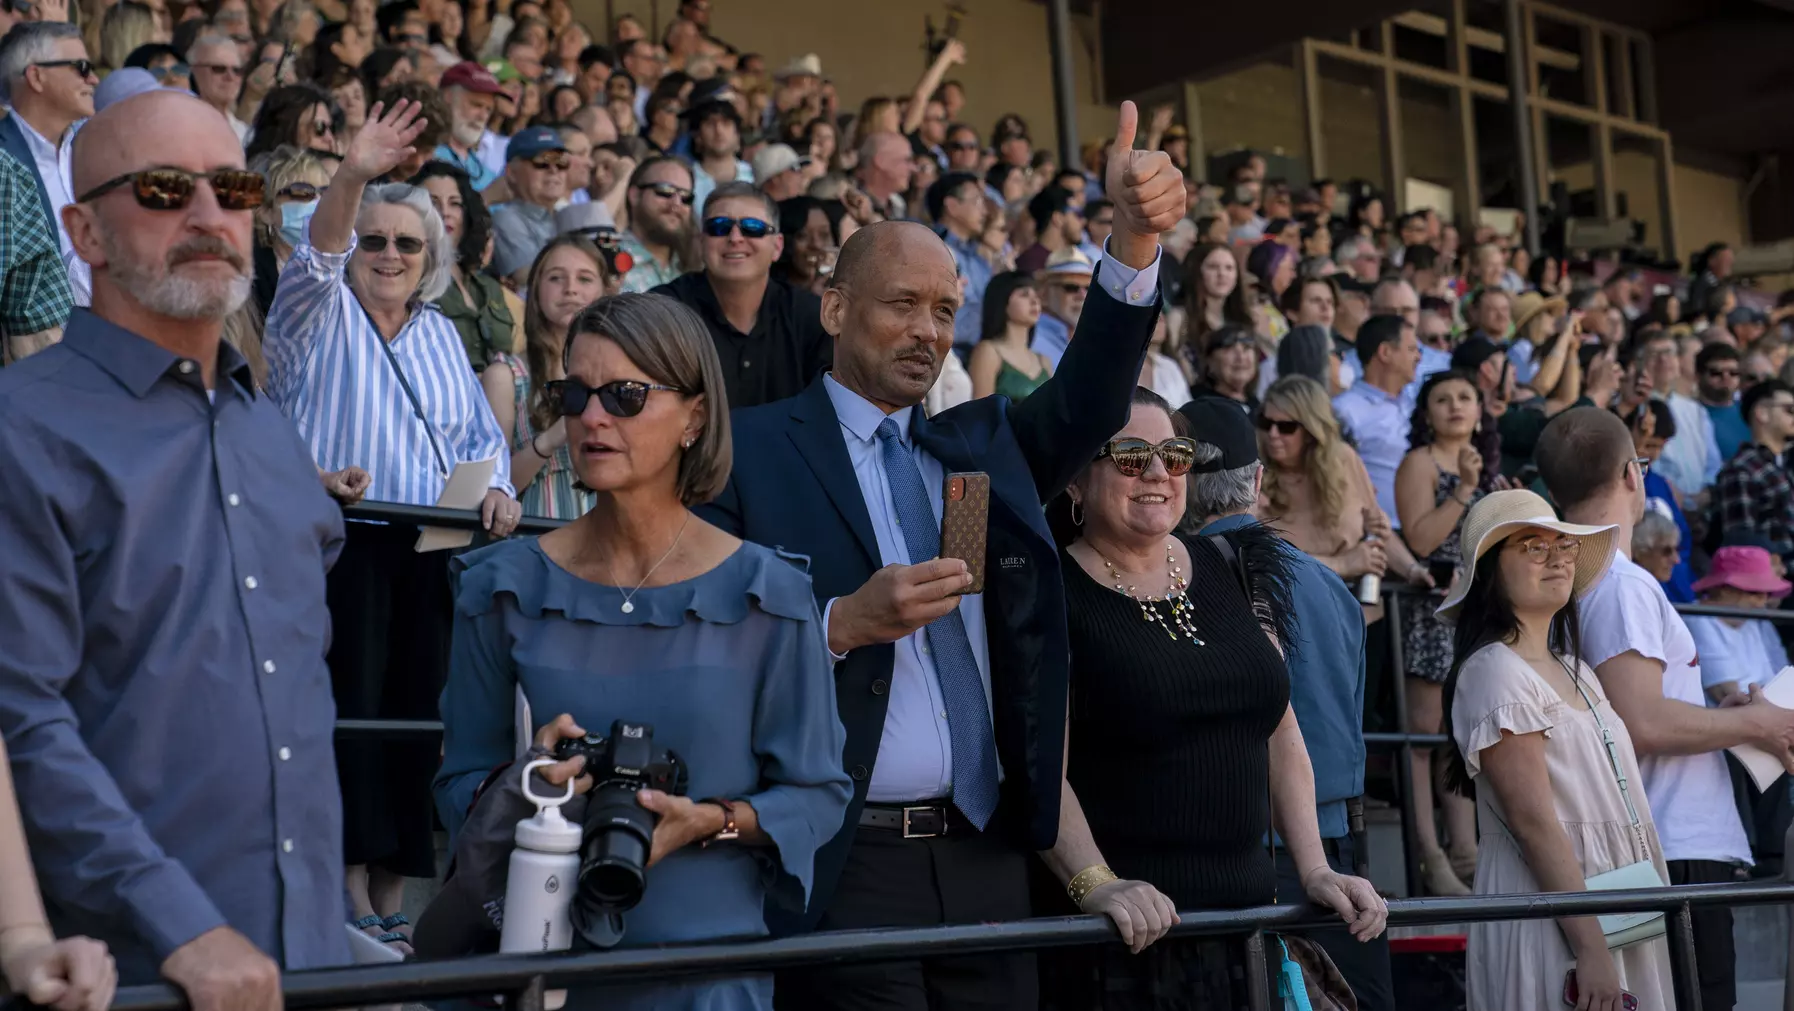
390,613
1713,948
965,876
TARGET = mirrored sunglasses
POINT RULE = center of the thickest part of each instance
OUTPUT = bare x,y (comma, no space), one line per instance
1133,456
171,189
751,228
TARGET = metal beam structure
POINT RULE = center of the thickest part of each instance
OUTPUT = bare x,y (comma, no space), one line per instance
1519,70
1065,97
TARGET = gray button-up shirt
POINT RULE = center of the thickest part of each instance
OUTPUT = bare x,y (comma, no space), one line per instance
163,692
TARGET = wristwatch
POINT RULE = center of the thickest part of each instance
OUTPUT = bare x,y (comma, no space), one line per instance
729,832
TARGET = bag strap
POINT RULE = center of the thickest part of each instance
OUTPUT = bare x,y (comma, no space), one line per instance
417,408
1232,557
1607,742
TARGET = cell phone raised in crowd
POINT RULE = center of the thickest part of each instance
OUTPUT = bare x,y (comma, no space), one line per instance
1627,1001
965,518
1441,573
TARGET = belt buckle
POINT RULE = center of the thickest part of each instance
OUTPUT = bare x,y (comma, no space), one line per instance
925,831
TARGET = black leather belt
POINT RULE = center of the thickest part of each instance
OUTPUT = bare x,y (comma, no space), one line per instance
915,821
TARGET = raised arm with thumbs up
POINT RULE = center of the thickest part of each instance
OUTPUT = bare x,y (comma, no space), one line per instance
1148,193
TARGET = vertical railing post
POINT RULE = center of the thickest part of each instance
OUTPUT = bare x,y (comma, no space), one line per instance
1684,967
1258,994
1404,762
531,998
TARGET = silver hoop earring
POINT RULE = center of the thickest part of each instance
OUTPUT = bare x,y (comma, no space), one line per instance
1077,513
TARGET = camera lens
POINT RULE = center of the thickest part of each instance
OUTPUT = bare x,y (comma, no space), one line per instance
614,857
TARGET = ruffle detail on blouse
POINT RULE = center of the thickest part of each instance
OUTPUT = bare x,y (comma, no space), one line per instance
1513,717
753,577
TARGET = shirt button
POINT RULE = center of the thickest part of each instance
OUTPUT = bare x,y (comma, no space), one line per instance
233,499
250,583
880,687
286,845
943,714
285,754
186,368
267,666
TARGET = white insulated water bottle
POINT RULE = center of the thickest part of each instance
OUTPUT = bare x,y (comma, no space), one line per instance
543,876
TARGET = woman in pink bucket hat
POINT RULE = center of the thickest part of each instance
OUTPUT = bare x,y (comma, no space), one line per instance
1735,653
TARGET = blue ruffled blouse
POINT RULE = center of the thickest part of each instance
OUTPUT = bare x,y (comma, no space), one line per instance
732,670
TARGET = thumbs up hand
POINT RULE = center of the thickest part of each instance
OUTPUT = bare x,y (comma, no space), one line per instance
1147,190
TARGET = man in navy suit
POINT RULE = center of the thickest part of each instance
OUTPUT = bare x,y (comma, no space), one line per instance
954,703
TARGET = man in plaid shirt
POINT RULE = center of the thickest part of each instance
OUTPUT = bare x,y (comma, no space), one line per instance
1753,492
34,286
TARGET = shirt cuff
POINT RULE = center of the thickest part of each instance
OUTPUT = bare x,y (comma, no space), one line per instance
167,908
1127,285
826,608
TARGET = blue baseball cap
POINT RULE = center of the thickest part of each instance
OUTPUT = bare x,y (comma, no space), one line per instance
532,141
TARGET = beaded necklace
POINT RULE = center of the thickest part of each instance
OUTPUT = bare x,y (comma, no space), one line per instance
1176,603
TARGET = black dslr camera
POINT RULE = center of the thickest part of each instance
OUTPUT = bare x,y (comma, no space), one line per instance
619,832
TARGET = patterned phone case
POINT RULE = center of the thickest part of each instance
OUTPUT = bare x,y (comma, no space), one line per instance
965,518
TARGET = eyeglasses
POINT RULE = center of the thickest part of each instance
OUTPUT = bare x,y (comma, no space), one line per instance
221,69
964,145
1072,287
1753,378
323,128
172,70
170,189
299,191
620,398
1722,373
1644,464
552,164
667,191
407,245
1133,456
1283,428
83,67
1540,550
751,228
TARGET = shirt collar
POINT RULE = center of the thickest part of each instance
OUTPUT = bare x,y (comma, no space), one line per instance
861,416
1364,388
36,139
138,363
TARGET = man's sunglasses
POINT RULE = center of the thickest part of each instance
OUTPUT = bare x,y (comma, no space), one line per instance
667,191
1133,456
170,189
751,228
84,67
221,69
552,164
1283,428
407,245
1072,287
620,398
1722,373
964,145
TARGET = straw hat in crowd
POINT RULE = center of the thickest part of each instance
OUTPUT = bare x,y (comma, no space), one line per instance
1503,513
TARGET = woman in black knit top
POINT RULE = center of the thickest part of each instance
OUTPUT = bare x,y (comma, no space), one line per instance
1184,749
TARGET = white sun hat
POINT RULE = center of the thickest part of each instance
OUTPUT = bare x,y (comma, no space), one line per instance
1501,514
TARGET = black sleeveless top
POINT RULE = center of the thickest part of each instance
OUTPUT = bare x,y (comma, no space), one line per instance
1169,740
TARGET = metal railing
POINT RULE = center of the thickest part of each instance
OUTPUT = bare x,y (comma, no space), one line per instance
522,979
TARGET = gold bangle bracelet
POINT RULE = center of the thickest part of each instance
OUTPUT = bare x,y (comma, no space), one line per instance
1089,880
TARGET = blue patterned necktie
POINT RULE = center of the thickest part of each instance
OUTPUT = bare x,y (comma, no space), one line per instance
968,714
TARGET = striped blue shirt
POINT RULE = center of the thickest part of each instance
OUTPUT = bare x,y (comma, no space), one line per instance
327,372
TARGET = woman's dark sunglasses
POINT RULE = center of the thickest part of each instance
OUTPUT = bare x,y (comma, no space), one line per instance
1133,456
1284,428
667,191
170,189
751,228
620,398
300,191
408,245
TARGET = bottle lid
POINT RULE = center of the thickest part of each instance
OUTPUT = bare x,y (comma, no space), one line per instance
547,831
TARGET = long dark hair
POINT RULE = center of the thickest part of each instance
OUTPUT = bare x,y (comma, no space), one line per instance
277,121
544,345
994,321
1486,616
1485,440
1233,307
476,220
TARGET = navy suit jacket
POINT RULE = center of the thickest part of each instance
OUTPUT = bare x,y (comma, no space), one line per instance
12,141
793,487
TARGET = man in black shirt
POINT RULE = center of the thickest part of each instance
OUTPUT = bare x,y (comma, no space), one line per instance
768,334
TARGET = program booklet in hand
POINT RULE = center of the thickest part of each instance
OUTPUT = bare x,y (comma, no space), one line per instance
1763,767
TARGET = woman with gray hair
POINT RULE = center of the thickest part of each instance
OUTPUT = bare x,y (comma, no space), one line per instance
640,611
373,374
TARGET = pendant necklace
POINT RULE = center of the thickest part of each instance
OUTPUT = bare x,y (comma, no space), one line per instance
1175,600
629,595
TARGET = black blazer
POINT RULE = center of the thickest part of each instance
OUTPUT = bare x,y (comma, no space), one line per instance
793,488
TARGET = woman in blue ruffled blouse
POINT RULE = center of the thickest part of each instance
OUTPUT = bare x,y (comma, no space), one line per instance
640,611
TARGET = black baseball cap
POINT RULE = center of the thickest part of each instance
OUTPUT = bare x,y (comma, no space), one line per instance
1470,355
1221,423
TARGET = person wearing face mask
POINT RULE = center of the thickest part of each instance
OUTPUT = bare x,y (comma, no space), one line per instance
352,324
488,315
294,177
568,275
768,333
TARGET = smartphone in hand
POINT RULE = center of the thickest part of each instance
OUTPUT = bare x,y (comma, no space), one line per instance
965,518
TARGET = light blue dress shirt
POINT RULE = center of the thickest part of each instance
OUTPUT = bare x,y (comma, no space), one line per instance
915,754
1378,424
1051,337
968,323
1432,362
702,184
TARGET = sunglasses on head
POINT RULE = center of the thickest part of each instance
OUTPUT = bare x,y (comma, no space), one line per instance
84,67
1283,428
667,191
170,189
1132,456
408,245
620,398
751,228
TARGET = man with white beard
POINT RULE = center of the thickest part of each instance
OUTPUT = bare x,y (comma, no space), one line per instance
471,92
163,545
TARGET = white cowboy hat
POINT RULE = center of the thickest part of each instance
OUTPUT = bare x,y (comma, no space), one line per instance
1502,513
